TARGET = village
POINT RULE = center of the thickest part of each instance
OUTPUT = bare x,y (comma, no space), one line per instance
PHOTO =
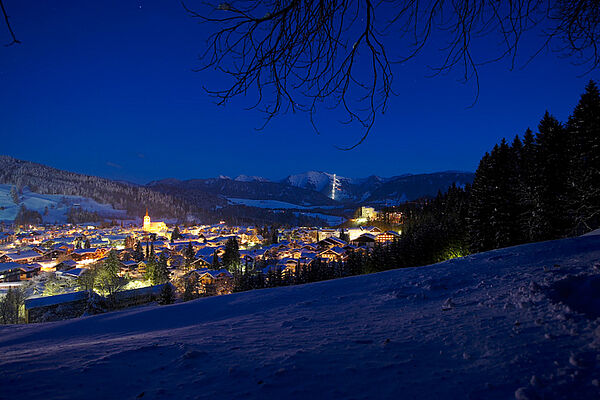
52,265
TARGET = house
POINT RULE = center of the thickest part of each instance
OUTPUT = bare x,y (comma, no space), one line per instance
10,272
335,253
66,265
288,266
88,254
211,282
366,213
136,297
331,241
21,257
365,240
387,237
55,308
132,268
7,237
14,272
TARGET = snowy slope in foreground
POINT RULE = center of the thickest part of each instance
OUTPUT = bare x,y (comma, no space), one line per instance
478,327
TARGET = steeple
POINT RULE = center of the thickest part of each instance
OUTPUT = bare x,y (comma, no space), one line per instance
147,224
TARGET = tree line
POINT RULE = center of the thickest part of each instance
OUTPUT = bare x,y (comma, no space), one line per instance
542,186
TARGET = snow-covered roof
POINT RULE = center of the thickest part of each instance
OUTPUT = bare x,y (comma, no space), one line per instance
36,302
23,255
7,266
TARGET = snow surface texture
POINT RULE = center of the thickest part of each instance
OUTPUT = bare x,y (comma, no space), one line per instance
58,205
512,323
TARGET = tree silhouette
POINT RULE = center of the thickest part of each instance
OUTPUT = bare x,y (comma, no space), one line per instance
305,55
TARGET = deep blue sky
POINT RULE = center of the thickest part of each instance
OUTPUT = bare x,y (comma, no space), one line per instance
107,88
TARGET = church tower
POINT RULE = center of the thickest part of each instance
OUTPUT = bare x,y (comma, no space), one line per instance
147,221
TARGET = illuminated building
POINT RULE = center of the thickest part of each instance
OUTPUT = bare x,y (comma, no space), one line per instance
153,227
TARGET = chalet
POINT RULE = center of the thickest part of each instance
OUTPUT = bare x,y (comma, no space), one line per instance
247,257
335,253
288,265
371,229
132,268
55,308
331,241
211,282
136,297
66,265
10,272
6,237
201,263
13,271
23,257
28,271
387,237
365,240
58,250
88,254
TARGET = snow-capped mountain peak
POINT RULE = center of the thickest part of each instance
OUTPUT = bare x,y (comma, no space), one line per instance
251,178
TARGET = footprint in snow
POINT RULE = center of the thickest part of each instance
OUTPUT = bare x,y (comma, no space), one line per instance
448,304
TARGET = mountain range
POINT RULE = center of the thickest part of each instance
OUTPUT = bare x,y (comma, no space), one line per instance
300,199
314,188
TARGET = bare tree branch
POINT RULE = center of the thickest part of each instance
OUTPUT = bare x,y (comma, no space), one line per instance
10,30
313,55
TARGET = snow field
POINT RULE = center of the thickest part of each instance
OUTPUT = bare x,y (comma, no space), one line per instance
510,323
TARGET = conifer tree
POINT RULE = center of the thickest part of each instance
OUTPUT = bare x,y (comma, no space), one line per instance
14,195
107,279
216,264
343,235
189,253
527,194
231,256
167,294
151,267
481,207
190,285
551,179
274,235
161,274
175,234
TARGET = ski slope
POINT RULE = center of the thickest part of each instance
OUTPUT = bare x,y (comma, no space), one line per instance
513,323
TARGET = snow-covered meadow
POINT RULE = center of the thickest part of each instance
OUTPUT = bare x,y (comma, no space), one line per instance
331,220
517,323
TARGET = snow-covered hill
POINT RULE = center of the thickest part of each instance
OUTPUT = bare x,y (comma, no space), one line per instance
514,323
313,180
52,208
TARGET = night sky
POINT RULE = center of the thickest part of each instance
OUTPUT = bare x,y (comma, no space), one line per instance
107,88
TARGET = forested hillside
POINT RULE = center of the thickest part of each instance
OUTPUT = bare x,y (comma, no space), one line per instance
47,180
